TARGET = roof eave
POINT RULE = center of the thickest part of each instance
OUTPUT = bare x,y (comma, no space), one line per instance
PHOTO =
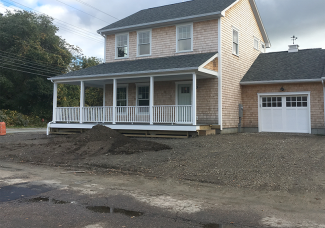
281,81
59,78
193,18
260,23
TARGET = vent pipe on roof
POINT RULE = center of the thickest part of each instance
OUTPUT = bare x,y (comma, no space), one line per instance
293,48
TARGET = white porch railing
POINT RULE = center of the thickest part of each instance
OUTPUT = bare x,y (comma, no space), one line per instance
97,114
172,114
68,114
132,114
162,114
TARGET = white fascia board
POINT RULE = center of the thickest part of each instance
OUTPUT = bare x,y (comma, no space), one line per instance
204,70
260,23
280,81
223,13
121,75
206,16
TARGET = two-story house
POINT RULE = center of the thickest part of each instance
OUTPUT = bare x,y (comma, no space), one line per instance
174,68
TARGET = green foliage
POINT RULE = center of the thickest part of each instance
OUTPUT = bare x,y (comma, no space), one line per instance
16,119
33,37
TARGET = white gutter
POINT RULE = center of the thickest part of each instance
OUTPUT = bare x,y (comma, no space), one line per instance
219,75
205,16
280,81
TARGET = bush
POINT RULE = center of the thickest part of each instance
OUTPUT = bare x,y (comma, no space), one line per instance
16,119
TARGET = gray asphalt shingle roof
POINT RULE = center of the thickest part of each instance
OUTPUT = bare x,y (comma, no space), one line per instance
180,62
304,64
173,11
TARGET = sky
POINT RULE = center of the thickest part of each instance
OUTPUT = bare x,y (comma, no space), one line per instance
79,20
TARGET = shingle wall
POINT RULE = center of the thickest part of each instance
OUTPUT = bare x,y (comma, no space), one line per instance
234,67
250,101
205,39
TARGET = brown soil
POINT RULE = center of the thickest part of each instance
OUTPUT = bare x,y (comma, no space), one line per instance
98,141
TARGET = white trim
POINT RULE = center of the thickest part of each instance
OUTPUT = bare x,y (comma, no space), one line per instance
176,90
127,92
128,54
283,94
105,41
219,74
55,100
156,127
263,49
114,99
324,97
150,34
258,43
141,85
164,23
204,70
194,99
181,25
223,13
151,98
232,40
82,99
280,81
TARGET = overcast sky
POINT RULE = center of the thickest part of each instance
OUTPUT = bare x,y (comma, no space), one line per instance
282,19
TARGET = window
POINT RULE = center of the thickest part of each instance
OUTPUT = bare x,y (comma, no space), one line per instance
121,97
235,41
296,102
271,102
144,43
263,47
143,98
184,38
122,43
256,43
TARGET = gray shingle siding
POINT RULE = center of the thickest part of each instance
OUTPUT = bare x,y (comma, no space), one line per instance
141,65
305,64
174,11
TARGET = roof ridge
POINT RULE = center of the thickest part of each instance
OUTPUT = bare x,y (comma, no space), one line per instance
307,49
168,5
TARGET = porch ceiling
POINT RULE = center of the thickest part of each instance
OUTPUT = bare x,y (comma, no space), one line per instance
176,77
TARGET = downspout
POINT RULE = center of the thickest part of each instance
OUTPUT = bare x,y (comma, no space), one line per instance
219,75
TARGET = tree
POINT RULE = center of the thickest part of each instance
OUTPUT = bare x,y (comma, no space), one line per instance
30,50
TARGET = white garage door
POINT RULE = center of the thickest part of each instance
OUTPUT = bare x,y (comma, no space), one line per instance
289,113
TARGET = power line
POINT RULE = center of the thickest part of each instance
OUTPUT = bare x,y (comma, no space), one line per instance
82,11
85,3
24,71
8,60
86,32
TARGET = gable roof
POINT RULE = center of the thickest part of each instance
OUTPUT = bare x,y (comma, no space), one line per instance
304,65
183,12
141,66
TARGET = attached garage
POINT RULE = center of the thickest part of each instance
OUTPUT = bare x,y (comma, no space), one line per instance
284,112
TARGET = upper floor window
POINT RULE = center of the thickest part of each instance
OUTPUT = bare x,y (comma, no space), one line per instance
122,45
235,39
256,43
184,38
144,43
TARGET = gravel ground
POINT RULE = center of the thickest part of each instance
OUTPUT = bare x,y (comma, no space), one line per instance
265,162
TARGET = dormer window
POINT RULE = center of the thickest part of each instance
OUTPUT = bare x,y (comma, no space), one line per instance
122,45
184,38
144,43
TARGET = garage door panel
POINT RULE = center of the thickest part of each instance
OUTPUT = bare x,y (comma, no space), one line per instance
267,119
277,119
303,120
290,120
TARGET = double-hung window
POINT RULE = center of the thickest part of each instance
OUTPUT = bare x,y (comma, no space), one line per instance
122,45
122,98
143,98
144,43
184,38
235,41
262,47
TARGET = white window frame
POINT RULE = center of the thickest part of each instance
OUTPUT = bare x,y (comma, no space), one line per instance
150,34
128,46
137,97
232,41
182,25
258,43
263,49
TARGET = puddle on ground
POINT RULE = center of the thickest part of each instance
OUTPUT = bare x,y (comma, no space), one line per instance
111,210
14,192
46,199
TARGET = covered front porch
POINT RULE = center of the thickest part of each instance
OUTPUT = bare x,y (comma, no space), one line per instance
172,101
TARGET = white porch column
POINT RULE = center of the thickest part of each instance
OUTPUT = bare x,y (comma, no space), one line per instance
104,103
151,100
82,99
114,100
194,99
55,101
